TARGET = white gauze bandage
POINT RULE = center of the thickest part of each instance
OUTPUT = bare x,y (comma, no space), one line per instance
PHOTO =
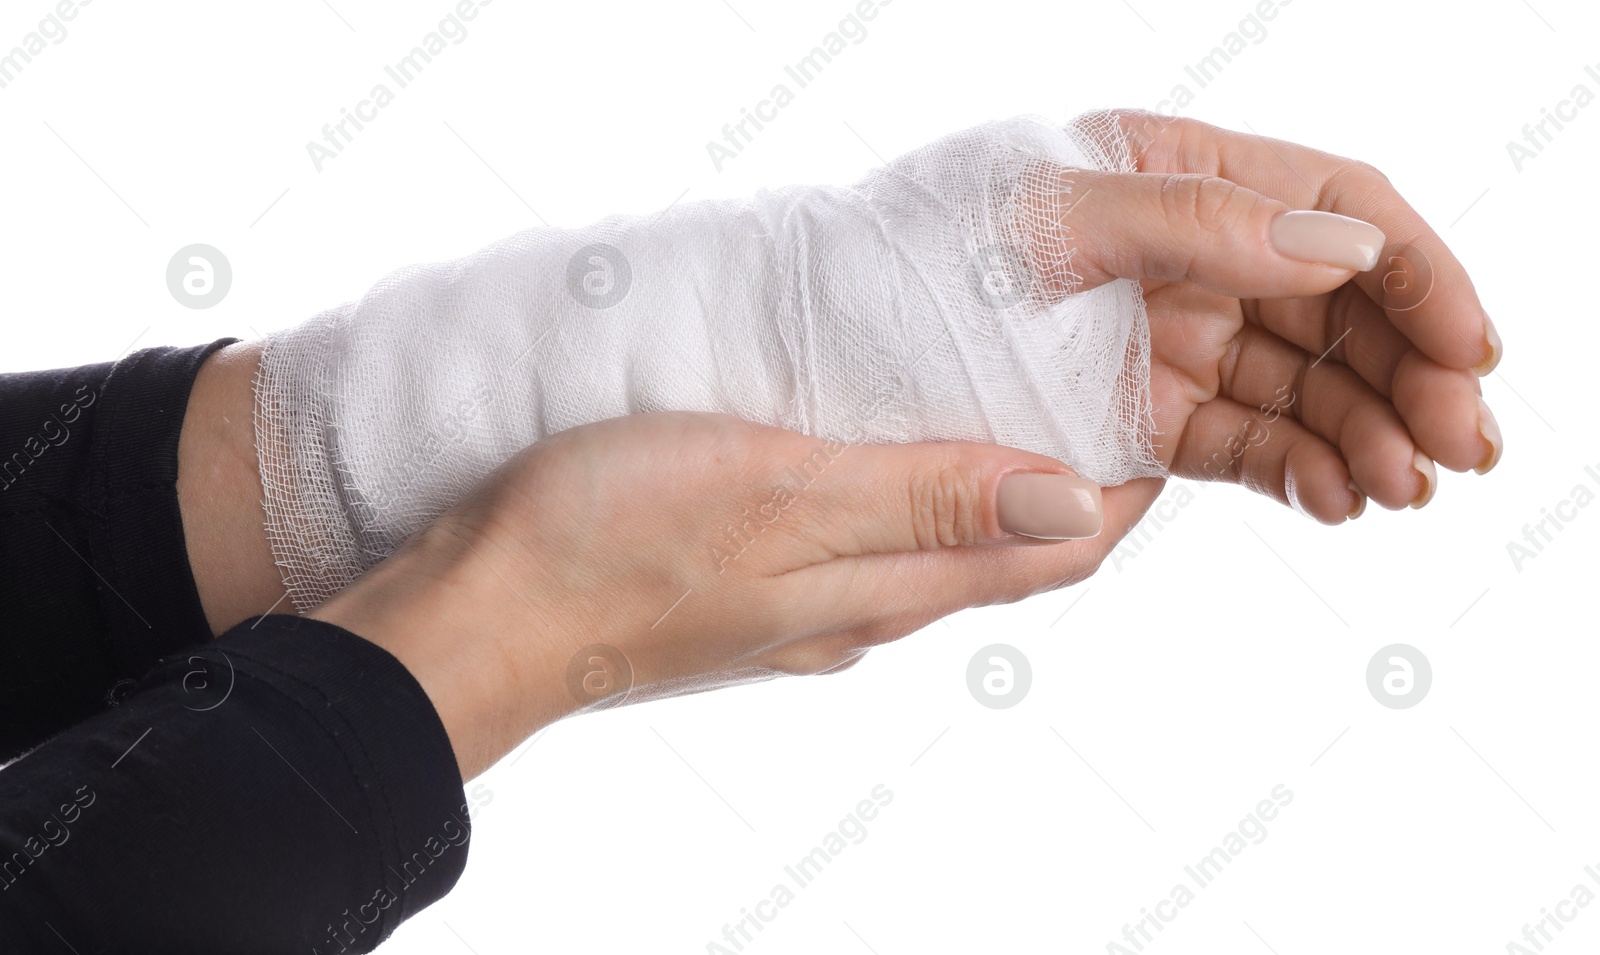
933,300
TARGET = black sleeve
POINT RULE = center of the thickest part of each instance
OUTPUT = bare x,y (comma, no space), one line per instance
284,788
94,575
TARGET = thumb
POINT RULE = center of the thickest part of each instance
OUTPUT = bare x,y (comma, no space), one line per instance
876,499
1210,231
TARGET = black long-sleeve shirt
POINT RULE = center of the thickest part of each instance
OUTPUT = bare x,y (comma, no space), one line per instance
285,787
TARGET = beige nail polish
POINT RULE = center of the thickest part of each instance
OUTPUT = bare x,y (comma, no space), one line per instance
1490,429
1361,501
1430,478
1049,506
1491,336
1327,239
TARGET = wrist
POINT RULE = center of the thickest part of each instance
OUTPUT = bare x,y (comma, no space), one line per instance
492,672
219,492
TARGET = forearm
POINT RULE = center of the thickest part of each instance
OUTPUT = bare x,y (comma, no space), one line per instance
284,788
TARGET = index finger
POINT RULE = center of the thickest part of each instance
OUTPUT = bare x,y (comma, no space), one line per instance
1423,288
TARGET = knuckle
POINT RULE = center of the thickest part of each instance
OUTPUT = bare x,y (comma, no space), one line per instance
1356,179
1228,363
888,629
1081,571
1209,203
1368,171
945,506
811,659
848,663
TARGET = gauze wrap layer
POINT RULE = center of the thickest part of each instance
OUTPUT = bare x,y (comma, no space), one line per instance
933,300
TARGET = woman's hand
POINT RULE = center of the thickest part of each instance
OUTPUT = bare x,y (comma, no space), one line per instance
1316,361
663,554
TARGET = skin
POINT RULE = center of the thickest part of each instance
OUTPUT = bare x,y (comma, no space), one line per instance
219,492
1235,326
603,534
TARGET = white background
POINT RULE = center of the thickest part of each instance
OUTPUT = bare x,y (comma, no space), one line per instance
1170,693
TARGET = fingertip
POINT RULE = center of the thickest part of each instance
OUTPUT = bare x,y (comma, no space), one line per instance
1489,430
1359,507
1493,347
1427,476
1125,504
1316,483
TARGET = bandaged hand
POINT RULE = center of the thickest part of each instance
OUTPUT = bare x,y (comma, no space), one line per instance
1130,295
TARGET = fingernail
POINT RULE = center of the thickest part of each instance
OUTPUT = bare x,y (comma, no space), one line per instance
1430,478
1360,507
1049,506
1328,239
1490,429
1495,348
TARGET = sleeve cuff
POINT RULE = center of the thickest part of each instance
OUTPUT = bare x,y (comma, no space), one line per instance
398,752
133,486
